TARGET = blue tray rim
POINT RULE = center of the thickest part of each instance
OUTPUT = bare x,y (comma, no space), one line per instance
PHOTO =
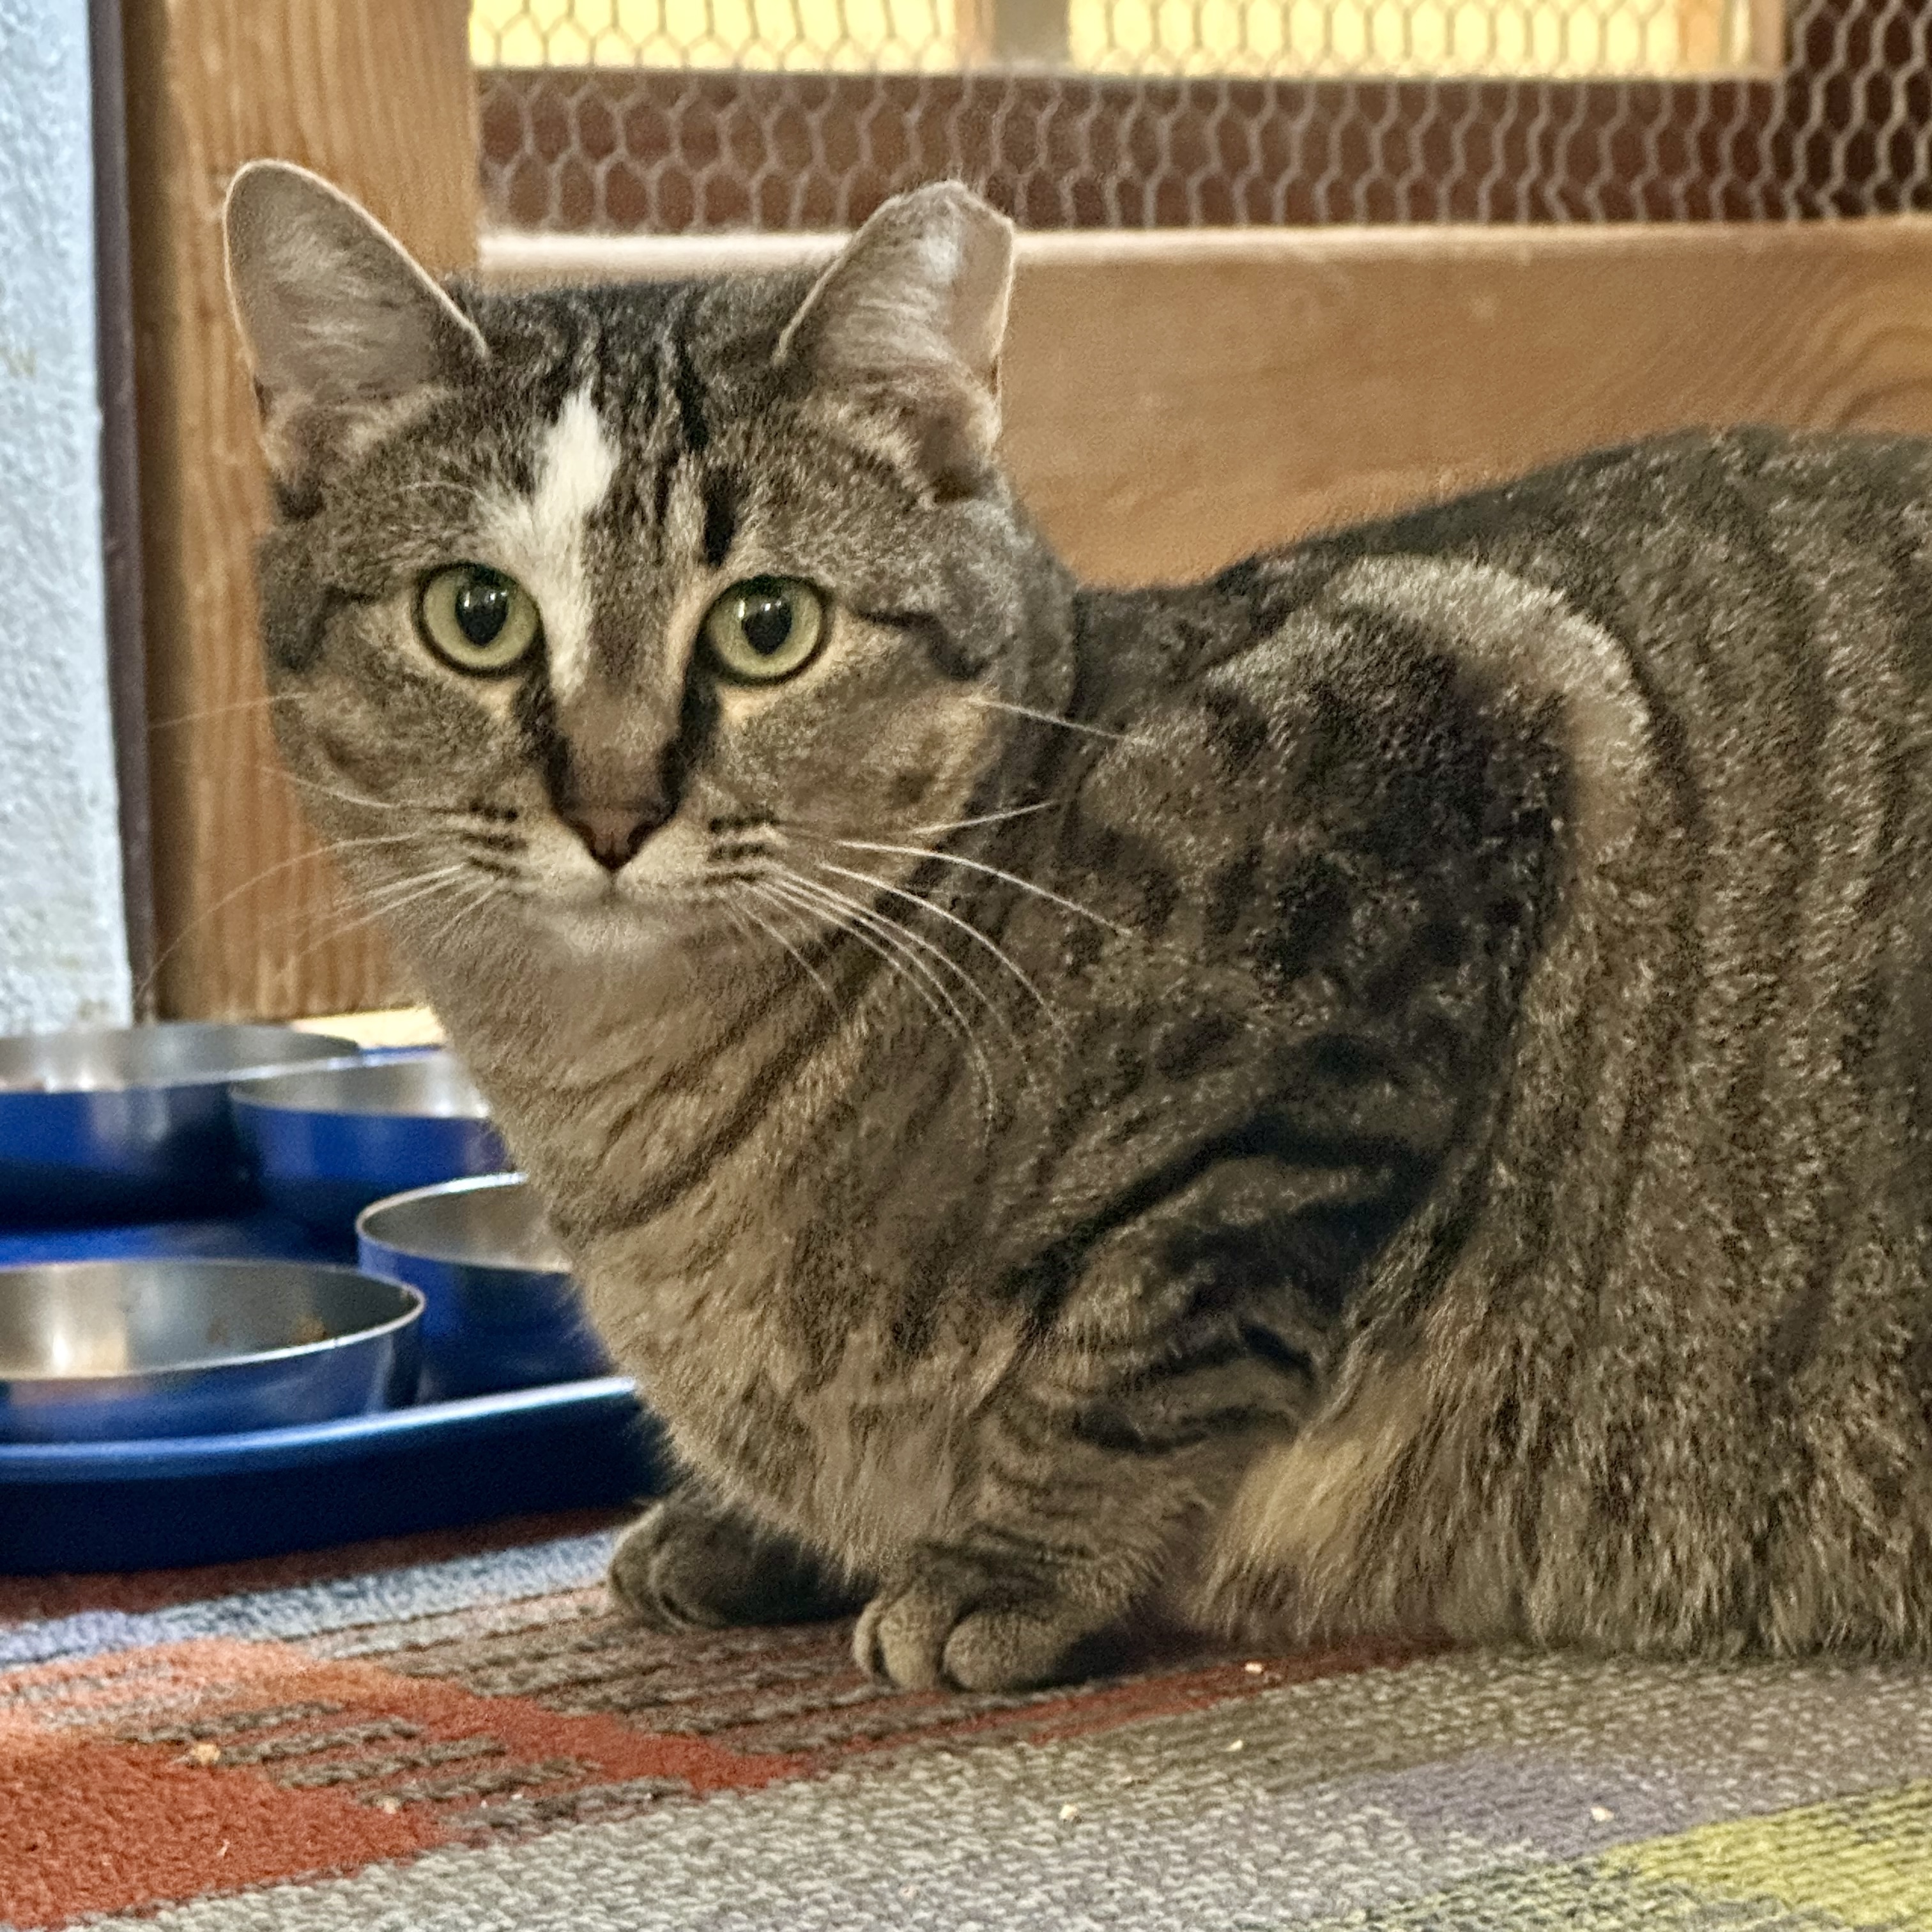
308,1444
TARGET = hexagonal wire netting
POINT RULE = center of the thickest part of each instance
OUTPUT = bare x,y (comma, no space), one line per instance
691,116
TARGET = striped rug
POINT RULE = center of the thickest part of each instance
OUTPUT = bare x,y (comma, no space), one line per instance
456,1735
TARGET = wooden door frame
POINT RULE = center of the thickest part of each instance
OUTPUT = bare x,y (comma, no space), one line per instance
378,95
121,495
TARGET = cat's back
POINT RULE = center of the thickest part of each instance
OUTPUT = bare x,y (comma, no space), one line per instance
1707,1180
1725,638
1710,557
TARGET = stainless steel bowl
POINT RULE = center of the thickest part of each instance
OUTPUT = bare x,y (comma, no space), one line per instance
133,1123
326,1141
501,1311
91,1351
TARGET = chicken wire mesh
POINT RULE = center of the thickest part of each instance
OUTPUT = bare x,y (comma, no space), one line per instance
692,116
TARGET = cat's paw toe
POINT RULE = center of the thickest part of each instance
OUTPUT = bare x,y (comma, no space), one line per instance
931,1632
902,1636
657,1573
687,1563
1009,1650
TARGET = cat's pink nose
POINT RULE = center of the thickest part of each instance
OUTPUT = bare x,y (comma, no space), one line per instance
612,833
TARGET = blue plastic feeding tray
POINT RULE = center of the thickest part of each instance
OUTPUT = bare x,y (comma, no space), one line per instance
166,1501
325,1142
132,1123
170,1502
253,1237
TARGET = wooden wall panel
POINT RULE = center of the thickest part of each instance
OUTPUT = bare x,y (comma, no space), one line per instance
1212,396
379,95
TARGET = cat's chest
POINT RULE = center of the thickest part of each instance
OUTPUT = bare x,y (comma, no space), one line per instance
768,1350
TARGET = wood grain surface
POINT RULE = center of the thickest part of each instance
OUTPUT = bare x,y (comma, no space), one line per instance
377,95
1166,415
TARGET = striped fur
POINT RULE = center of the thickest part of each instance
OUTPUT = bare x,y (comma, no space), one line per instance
1380,1093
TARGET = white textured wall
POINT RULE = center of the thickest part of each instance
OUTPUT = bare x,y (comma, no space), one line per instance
63,947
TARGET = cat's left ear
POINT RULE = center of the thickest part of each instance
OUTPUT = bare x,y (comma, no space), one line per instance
343,330
906,326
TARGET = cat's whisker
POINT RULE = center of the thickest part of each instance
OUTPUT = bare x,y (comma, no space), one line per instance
482,890
876,917
879,919
315,925
257,703
992,871
887,939
363,914
1054,718
966,926
357,798
818,904
329,847
196,925
383,897
931,990
805,965
984,818
389,899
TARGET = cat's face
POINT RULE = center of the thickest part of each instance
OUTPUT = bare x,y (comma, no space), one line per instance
624,616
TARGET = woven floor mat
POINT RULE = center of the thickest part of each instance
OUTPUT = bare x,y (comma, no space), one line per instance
416,1736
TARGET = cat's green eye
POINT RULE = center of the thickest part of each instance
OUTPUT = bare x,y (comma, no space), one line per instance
765,628
478,618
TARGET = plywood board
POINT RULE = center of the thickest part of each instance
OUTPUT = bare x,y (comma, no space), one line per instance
1168,414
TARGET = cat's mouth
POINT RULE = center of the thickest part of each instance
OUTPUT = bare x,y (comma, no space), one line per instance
663,890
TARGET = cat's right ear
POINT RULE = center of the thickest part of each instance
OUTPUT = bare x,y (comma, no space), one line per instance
344,331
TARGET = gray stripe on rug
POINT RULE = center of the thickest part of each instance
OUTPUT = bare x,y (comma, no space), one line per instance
308,1609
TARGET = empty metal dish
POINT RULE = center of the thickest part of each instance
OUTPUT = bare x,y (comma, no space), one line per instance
91,1350
326,1142
132,1123
501,1311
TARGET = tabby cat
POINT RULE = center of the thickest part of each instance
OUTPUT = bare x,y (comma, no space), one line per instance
1383,1092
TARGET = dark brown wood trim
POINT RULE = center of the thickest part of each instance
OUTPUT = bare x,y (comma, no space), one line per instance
121,493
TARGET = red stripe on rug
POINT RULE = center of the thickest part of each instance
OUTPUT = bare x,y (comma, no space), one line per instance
162,1690
297,1767
88,1826
211,1766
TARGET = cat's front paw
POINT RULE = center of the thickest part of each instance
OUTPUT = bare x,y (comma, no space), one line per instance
686,1564
951,1624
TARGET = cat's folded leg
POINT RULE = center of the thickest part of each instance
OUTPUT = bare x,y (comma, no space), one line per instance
1102,1465
689,1562
1029,1598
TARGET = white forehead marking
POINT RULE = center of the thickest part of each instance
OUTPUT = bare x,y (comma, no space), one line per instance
539,538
